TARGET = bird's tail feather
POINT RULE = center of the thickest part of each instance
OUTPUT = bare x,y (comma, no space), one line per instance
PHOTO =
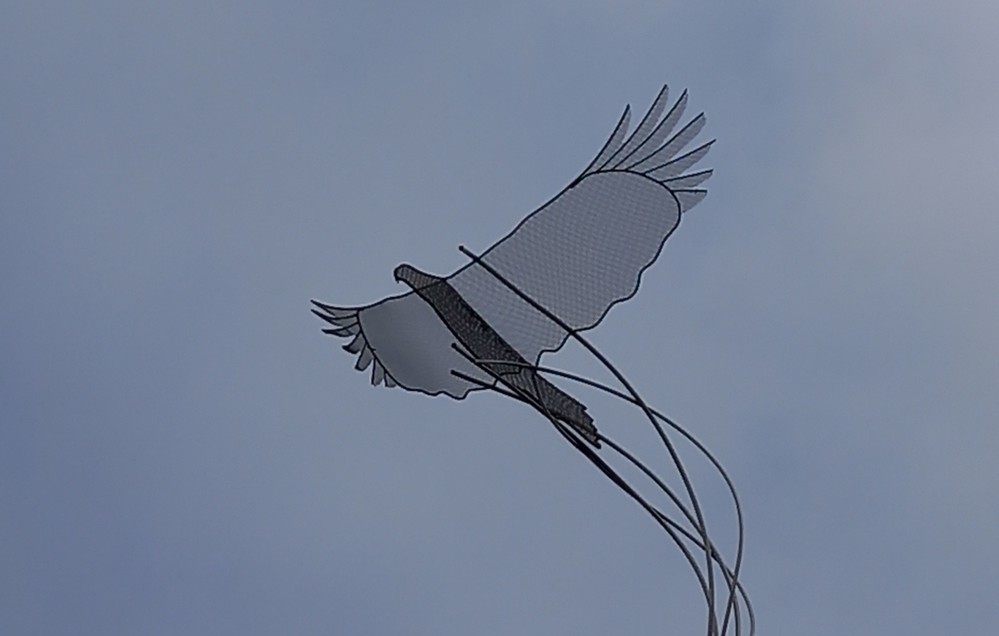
556,402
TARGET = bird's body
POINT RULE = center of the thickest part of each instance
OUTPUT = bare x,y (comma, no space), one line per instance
576,256
483,343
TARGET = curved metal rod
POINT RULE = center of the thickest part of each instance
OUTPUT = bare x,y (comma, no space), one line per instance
736,569
544,411
702,526
581,446
731,574
731,577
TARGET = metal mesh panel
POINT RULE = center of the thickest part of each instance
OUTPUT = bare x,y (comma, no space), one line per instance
576,257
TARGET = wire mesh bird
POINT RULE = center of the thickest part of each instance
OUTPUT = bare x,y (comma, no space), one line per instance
556,274
575,257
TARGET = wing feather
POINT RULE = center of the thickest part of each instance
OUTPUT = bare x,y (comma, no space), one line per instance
641,134
377,374
689,198
365,359
356,345
679,165
660,134
613,142
691,180
343,331
673,146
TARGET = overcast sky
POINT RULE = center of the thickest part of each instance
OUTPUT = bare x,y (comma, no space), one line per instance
183,452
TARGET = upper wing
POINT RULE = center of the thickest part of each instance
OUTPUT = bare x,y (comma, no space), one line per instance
586,249
405,343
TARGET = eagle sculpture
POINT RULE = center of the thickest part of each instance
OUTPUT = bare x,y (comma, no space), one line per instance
559,271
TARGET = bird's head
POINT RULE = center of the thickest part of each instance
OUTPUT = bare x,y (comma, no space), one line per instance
403,273
414,277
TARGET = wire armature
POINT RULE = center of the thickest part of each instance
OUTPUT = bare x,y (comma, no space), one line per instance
690,534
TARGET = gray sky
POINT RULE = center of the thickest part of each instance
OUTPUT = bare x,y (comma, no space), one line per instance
182,452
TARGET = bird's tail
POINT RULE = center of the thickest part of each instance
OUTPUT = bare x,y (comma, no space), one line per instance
584,426
559,404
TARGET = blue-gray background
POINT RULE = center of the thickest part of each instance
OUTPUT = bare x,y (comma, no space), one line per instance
182,452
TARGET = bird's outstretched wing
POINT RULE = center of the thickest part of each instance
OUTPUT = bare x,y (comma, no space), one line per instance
405,344
586,249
